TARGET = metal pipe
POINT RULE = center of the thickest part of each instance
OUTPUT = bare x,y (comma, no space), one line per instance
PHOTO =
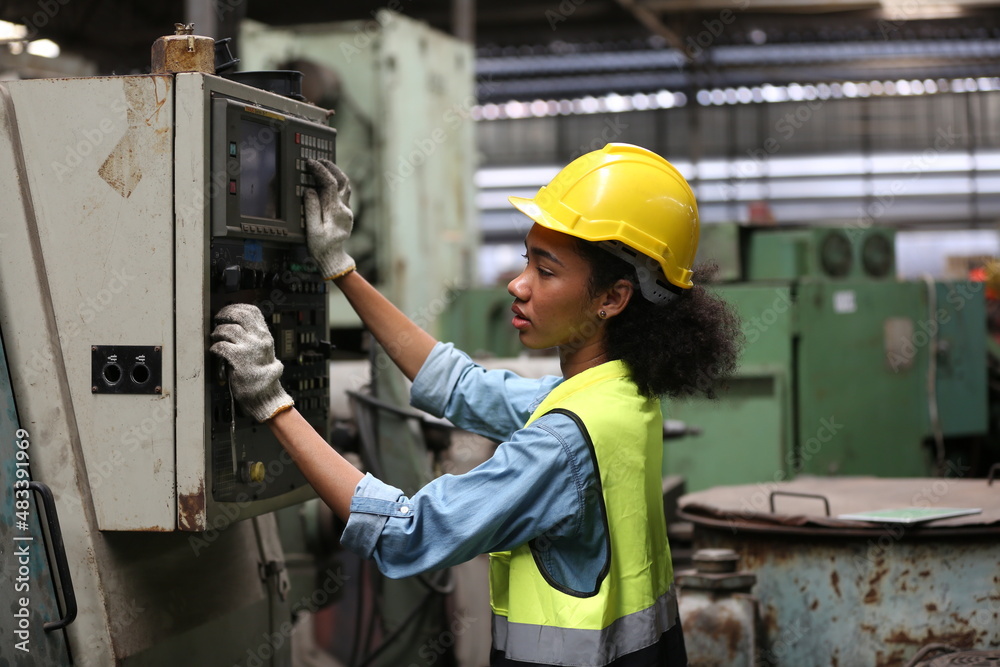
463,20
202,13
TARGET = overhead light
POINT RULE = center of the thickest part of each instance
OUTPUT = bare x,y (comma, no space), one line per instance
12,31
45,48
666,99
908,10
13,34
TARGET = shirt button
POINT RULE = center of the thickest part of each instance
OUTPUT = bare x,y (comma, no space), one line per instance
404,509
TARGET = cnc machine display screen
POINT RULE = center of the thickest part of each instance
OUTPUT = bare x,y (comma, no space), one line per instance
258,170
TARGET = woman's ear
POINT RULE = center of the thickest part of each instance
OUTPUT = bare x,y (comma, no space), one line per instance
617,297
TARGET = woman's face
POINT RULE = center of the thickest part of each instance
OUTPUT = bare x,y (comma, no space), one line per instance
553,306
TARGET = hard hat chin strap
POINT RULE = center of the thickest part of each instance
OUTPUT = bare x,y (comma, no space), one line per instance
652,283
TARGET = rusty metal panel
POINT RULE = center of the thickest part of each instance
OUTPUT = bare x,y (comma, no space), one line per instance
872,601
99,162
837,592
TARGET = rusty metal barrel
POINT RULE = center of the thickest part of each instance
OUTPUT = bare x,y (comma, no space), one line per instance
844,591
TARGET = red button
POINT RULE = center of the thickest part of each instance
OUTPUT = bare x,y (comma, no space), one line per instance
232,187
298,137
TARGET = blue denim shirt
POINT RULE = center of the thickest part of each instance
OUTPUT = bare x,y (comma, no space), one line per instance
534,486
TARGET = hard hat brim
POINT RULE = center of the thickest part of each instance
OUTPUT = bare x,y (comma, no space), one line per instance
535,212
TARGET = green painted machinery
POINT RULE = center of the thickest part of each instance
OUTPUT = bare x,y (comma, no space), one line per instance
846,370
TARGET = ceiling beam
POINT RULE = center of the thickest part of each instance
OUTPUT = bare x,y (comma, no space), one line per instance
653,23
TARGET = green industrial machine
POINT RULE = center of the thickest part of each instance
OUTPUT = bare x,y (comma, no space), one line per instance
846,370
400,95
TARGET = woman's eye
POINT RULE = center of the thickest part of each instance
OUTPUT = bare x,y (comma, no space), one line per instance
541,271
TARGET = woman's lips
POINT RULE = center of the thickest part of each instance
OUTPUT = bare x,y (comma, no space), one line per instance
519,321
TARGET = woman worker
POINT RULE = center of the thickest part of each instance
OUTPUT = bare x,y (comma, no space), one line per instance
570,505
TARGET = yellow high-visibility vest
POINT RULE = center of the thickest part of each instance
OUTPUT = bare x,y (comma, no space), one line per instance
537,620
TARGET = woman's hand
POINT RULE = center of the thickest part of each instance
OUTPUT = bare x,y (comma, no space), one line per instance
242,339
328,225
329,219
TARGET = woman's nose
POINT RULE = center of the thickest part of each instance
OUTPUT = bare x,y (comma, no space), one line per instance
517,287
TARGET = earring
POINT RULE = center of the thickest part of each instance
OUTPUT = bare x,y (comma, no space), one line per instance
602,314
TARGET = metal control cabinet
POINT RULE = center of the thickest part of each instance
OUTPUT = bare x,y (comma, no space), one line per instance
114,259
118,250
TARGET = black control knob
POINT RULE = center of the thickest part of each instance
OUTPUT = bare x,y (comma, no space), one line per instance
231,277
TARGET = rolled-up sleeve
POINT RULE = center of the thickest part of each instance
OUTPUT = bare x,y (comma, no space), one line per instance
373,503
491,403
534,484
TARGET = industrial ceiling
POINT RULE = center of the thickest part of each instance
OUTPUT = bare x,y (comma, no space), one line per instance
116,34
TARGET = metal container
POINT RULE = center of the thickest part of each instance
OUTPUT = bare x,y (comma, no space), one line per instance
842,592
718,614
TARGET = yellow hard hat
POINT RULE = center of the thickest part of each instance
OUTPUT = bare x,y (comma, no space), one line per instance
627,194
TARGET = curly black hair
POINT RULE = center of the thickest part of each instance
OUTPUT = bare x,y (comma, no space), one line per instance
680,348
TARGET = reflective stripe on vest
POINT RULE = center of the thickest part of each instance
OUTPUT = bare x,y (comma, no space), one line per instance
550,645
634,603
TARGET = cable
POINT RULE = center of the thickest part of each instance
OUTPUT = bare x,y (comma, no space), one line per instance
402,626
232,420
359,623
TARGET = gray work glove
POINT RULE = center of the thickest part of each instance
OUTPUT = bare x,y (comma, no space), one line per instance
242,339
329,218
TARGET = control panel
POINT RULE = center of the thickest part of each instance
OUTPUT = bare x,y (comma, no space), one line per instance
284,283
258,255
